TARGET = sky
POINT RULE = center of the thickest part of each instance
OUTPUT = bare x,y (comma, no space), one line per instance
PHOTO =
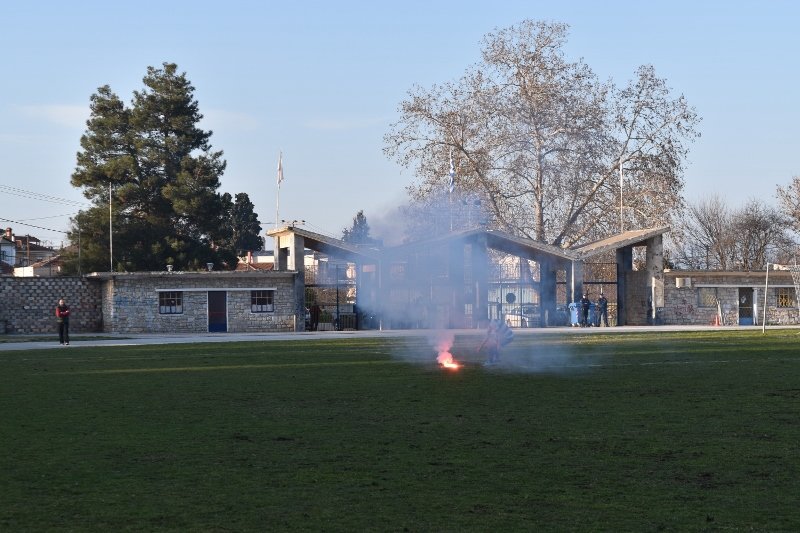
321,82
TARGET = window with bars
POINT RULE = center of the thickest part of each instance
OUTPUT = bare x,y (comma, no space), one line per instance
707,297
785,297
170,302
262,301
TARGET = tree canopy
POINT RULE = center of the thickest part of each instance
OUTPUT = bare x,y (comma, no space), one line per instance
358,233
713,235
543,141
156,167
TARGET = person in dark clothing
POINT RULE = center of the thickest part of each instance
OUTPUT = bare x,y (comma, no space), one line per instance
602,312
315,312
62,317
586,304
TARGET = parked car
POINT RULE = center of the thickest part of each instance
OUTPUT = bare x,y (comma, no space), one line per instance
523,316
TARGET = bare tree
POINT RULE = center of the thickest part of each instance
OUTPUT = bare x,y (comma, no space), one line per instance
713,236
542,140
761,236
789,202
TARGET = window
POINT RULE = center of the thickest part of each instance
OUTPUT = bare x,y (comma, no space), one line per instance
262,301
785,297
170,302
707,297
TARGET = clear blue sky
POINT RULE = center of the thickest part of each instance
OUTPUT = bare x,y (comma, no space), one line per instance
322,81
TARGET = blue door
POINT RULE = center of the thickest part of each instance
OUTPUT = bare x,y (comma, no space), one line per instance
745,306
217,311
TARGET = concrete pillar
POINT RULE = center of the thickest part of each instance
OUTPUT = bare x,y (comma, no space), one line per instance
624,265
384,292
655,274
456,285
280,256
290,255
575,282
296,245
480,278
547,292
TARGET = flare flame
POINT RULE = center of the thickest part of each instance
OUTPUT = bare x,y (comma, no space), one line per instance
445,359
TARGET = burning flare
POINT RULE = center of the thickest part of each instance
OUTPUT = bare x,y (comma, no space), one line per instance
445,359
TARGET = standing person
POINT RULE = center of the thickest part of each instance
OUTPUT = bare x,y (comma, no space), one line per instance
62,317
491,343
586,304
497,336
602,304
315,312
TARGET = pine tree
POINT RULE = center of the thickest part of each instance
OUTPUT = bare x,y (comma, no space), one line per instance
163,176
245,228
359,232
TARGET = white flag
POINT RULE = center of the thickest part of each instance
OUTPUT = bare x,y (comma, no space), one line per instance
452,173
280,168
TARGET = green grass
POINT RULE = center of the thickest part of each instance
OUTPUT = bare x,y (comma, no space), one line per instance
612,432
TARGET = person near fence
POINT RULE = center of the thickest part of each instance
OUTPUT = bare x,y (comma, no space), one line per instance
602,310
62,317
314,314
586,304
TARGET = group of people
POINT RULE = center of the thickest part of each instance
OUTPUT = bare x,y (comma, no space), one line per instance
600,311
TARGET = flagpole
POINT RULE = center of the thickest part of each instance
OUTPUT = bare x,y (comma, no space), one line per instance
450,188
278,196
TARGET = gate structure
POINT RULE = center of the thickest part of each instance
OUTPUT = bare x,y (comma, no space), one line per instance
450,281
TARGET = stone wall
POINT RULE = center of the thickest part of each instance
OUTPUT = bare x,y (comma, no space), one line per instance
130,301
27,305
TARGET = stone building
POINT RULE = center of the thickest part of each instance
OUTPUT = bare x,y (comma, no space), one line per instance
700,297
199,302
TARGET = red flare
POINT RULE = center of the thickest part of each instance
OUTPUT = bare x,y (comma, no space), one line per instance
446,360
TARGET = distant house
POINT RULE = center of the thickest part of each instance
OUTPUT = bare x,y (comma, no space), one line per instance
8,253
28,249
46,268
255,261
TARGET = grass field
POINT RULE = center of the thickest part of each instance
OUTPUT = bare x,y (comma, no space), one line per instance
613,432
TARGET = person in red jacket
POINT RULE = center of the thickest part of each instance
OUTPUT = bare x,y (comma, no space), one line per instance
62,317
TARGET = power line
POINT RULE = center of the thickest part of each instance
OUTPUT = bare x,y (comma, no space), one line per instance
54,216
31,225
39,196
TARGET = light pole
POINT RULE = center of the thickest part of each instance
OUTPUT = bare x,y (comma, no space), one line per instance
621,220
110,235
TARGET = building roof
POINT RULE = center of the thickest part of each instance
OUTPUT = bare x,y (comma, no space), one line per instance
615,242
496,240
328,245
249,267
199,274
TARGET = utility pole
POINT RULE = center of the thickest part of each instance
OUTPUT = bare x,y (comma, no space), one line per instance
621,219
